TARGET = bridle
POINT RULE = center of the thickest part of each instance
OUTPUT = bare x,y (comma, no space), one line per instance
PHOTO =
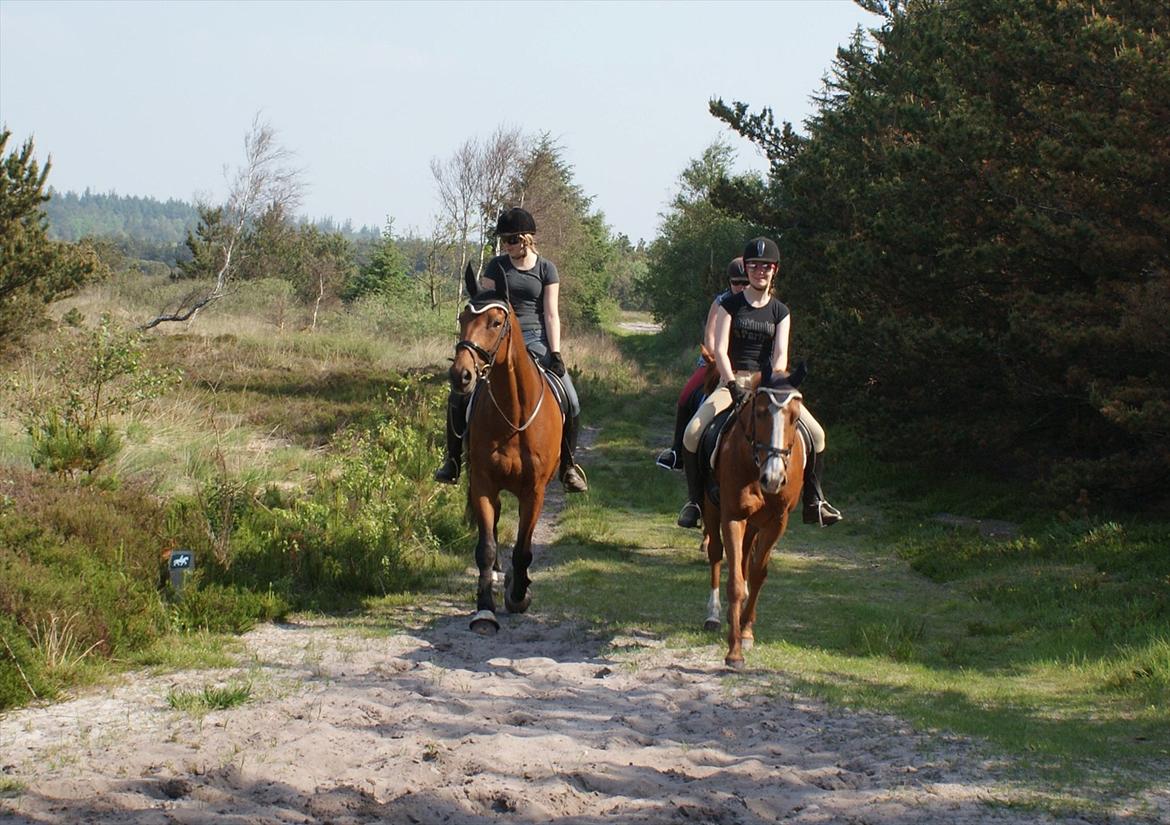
488,359
760,451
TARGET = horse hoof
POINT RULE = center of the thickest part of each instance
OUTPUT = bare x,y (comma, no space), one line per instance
712,624
514,607
747,643
734,664
485,623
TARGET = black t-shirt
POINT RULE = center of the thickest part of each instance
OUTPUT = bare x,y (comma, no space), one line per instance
753,331
525,287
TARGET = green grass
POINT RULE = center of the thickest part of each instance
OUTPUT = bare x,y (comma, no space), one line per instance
1050,649
211,697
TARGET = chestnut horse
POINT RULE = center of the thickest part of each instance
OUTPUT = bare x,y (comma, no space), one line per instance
513,439
760,473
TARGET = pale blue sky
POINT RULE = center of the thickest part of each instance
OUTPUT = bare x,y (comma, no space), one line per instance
154,98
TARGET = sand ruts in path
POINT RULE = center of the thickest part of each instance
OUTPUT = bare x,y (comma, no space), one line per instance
437,725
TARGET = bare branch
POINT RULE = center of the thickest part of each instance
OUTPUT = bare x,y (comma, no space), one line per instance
266,179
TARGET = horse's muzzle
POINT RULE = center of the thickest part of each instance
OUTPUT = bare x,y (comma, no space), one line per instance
462,377
773,476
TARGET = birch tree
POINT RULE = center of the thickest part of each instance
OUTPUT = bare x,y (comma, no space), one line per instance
266,180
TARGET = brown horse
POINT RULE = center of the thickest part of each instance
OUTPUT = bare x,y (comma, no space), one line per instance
760,473
513,435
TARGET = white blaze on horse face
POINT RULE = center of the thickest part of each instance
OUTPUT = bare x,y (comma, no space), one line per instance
773,472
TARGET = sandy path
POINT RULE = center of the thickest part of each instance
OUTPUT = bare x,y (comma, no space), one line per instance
434,724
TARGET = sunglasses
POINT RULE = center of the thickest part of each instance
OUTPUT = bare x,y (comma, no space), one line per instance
739,282
510,239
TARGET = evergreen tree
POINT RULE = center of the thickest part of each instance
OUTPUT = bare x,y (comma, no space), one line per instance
978,223
33,269
385,272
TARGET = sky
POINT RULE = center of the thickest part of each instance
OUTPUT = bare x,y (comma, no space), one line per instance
155,98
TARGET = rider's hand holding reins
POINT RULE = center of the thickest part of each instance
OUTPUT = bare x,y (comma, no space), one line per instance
556,364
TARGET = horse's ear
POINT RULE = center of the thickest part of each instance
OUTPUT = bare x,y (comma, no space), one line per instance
469,279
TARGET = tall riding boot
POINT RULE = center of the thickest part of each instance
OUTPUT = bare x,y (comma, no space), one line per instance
816,509
671,457
572,476
691,513
456,425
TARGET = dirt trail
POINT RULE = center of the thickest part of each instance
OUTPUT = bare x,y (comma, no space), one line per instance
434,724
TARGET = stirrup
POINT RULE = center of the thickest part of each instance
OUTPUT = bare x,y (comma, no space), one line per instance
574,479
448,473
822,513
668,459
690,515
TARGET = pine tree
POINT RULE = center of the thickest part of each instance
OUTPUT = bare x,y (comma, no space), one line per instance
33,269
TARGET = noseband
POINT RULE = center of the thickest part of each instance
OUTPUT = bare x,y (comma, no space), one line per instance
482,370
761,452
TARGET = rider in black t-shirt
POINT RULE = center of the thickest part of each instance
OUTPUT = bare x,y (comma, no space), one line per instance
534,292
751,331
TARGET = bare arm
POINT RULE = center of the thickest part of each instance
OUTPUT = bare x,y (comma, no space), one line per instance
709,328
722,346
552,316
780,345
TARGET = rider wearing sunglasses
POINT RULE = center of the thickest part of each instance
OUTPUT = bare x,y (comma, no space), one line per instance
534,287
751,331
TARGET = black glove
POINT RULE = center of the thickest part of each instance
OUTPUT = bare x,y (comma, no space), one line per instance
556,364
736,391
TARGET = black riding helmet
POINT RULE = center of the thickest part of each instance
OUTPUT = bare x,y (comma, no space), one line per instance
515,221
735,270
761,249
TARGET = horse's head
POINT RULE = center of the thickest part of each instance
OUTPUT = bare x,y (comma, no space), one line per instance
771,429
485,326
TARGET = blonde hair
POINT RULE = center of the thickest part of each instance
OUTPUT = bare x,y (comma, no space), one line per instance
527,240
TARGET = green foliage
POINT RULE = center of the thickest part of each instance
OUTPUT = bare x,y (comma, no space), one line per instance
687,262
572,236
374,523
97,374
143,228
79,569
33,269
211,697
975,238
385,273
216,608
205,245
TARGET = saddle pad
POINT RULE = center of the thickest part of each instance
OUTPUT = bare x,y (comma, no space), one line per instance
711,438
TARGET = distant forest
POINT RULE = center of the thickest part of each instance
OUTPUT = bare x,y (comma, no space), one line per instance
146,228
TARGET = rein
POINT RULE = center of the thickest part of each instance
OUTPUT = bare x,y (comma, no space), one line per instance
483,372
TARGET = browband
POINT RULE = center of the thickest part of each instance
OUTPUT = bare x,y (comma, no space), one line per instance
489,305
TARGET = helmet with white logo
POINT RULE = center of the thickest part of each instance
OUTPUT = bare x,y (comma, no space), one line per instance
761,249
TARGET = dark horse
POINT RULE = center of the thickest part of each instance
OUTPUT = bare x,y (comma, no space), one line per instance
513,439
760,473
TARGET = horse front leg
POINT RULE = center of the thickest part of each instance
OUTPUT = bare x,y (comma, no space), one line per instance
756,570
713,546
486,510
516,595
733,532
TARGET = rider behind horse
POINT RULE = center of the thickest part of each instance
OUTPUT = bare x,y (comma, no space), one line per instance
671,457
534,287
751,333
